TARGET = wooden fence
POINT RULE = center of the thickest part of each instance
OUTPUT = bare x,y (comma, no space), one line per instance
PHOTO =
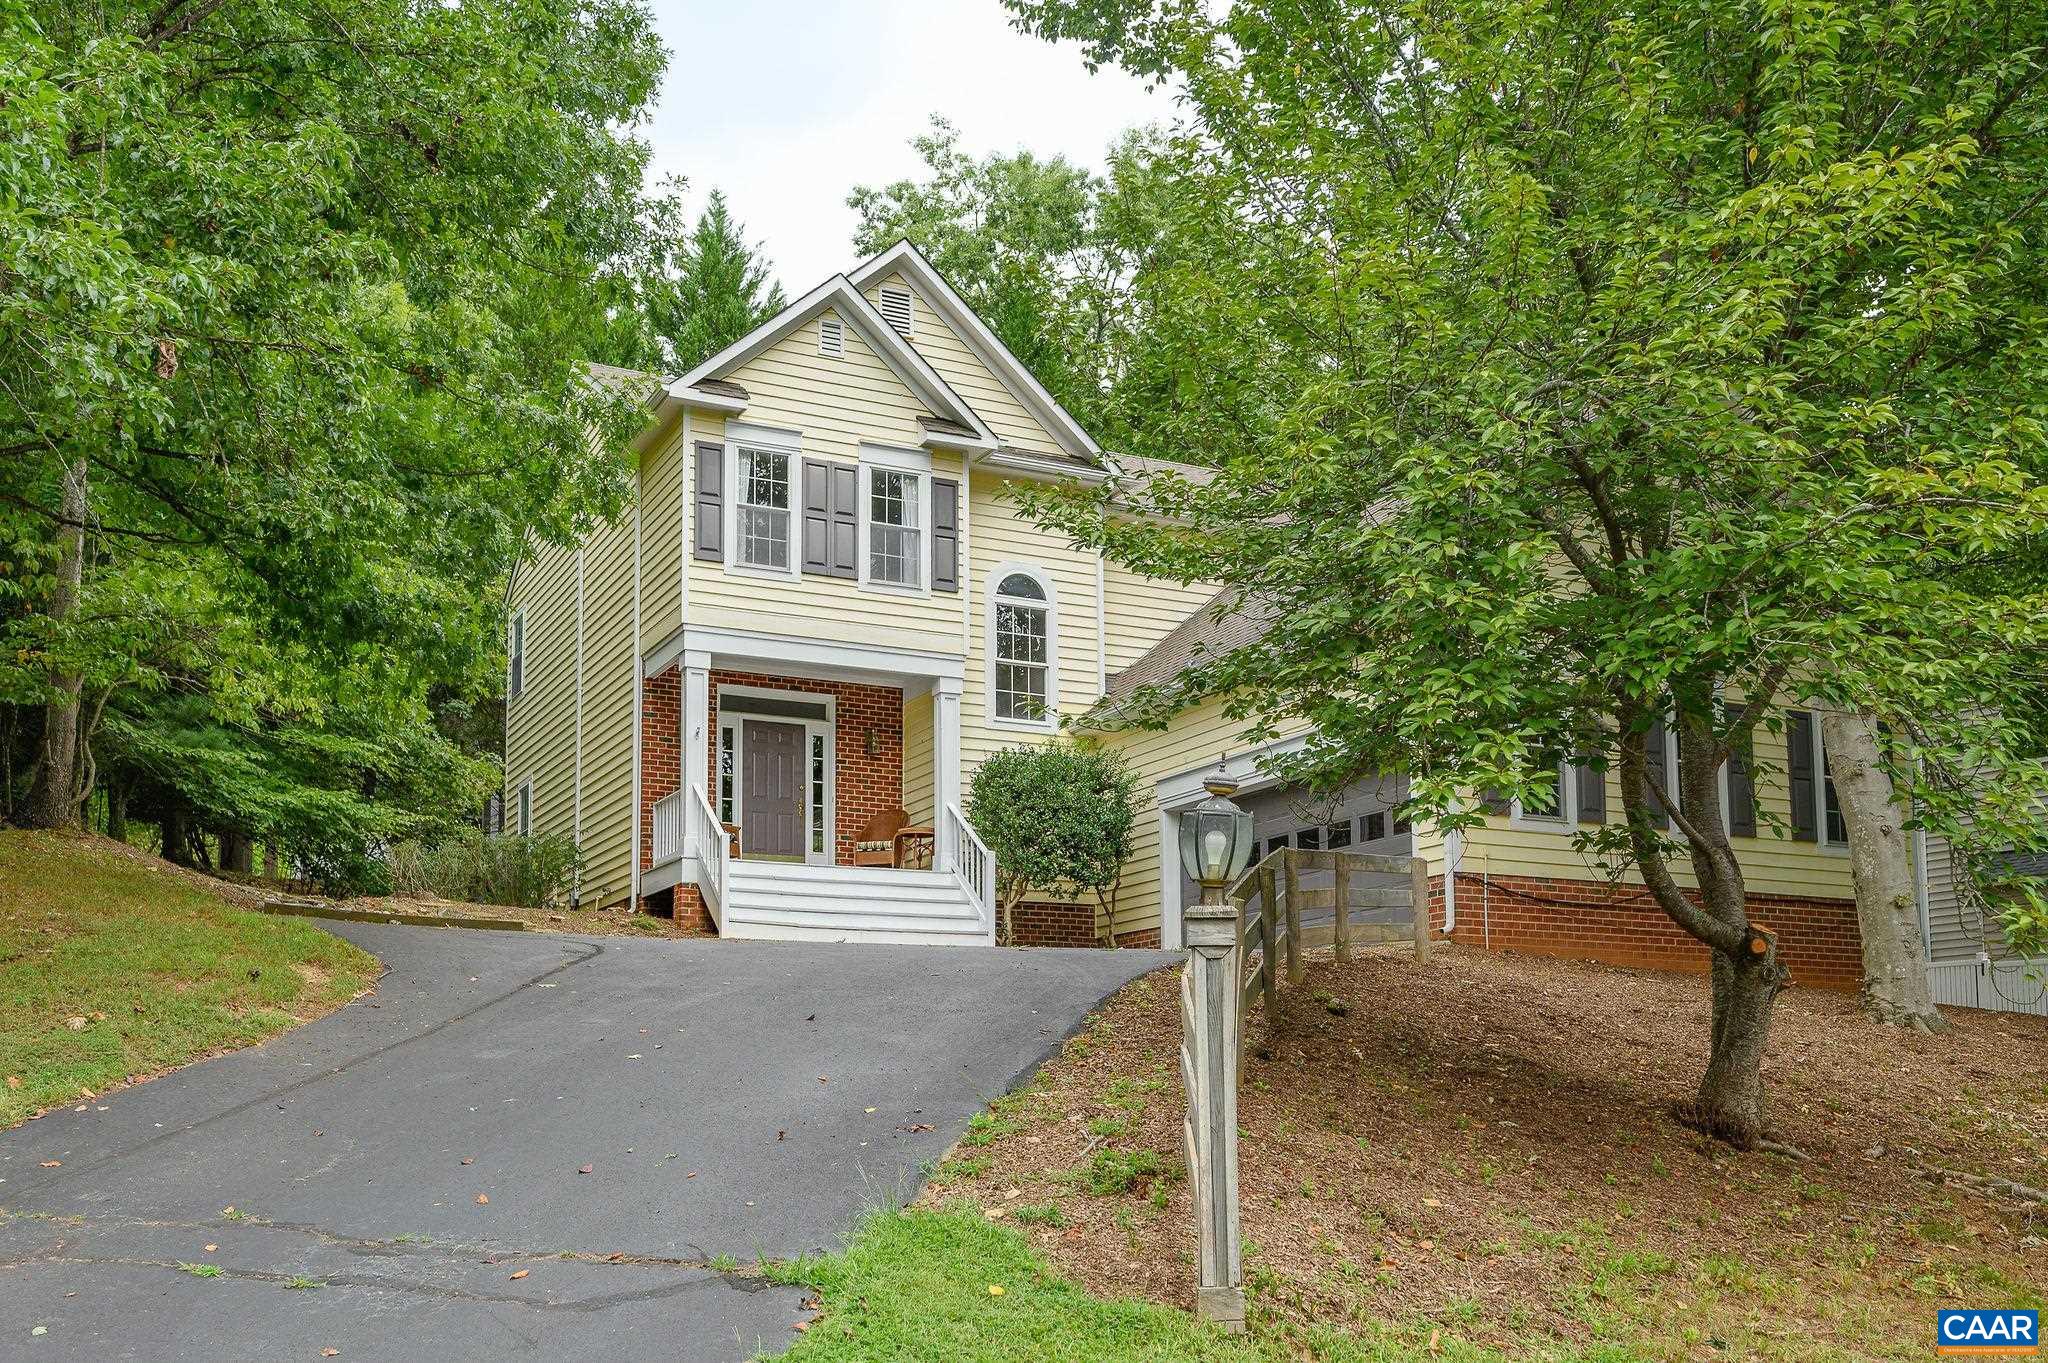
1362,889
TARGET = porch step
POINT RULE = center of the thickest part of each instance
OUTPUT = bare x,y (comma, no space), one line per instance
796,902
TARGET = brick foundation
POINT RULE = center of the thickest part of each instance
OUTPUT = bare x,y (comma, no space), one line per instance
1622,925
1048,924
661,749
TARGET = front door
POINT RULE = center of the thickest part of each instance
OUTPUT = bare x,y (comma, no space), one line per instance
772,786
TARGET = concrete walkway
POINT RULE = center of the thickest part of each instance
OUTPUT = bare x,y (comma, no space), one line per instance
412,1152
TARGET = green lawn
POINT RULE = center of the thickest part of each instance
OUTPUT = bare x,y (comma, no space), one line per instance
113,967
917,1287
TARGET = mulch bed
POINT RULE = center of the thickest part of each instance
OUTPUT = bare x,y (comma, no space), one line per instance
1484,1143
619,922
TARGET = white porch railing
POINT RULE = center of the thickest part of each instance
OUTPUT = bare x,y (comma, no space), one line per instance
668,827
971,863
713,851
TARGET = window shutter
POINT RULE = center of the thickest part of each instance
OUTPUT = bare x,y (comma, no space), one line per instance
1799,773
710,536
1659,771
845,541
945,535
1592,793
817,516
1741,793
1493,802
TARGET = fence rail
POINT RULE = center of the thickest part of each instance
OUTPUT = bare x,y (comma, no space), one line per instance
712,847
668,827
971,863
1273,934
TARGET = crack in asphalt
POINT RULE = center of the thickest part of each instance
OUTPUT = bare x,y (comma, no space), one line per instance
738,1282
590,952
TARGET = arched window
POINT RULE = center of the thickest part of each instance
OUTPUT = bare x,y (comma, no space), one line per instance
1023,648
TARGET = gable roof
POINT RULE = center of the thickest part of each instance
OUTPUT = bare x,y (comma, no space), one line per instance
1225,622
838,293
910,262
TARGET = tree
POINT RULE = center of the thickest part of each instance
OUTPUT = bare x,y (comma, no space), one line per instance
1895,987
1058,818
720,289
1602,370
293,304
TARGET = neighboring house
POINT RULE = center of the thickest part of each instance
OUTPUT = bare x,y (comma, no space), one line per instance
825,605
1971,964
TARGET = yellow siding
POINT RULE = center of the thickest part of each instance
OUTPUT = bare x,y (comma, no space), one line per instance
966,375
1772,862
661,532
917,760
608,710
540,726
998,533
836,403
1140,611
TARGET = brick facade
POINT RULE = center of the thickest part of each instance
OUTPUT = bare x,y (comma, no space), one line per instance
864,784
1047,924
1622,925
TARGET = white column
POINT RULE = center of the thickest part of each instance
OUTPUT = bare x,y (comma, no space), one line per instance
696,717
945,764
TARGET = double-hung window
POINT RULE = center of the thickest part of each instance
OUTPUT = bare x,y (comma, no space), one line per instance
763,505
895,527
1022,628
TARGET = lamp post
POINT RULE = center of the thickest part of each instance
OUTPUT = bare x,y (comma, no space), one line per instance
1215,844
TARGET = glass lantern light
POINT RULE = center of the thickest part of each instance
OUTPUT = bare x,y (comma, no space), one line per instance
1216,836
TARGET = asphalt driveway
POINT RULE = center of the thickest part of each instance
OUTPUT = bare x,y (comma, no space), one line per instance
391,1167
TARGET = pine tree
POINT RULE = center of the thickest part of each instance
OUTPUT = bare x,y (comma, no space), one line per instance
722,290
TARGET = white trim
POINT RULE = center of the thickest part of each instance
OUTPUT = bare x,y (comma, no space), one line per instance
788,445
854,309
686,487
515,630
882,293
639,688
1101,636
938,295
831,335
828,726
525,809
717,402
1566,820
827,661
1038,468
918,464
1051,720
1822,779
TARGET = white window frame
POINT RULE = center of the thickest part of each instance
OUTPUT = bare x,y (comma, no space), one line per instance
522,808
765,440
909,307
1821,778
1051,722
828,726
515,653
1566,819
877,458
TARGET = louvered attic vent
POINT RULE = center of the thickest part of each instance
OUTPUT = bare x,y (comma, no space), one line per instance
831,336
896,307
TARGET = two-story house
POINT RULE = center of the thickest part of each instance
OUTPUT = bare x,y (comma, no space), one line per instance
825,606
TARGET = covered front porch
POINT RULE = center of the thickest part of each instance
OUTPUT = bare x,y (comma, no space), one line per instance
800,788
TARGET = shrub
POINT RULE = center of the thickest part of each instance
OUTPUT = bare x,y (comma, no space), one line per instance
474,867
1059,817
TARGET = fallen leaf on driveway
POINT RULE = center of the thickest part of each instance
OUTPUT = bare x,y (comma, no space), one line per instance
614,1256
520,1274
329,1353
466,1159
481,1198
586,1168
691,1174
211,1248
53,1163
916,1126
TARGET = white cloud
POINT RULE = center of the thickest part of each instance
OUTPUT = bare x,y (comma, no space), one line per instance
788,104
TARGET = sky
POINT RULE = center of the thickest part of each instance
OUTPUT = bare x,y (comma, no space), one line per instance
786,105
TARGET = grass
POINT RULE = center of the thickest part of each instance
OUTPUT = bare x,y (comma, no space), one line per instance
922,1287
113,967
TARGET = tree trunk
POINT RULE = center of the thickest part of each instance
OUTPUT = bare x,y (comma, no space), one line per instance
270,861
1887,908
237,852
117,813
1730,1103
177,843
54,799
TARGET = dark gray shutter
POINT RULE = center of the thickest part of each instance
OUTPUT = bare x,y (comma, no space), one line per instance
1799,773
845,520
1741,792
710,537
945,535
1493,802
1592,793
1659,771
817,513
831,509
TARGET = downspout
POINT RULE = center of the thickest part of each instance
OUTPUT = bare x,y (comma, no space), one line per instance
1454,847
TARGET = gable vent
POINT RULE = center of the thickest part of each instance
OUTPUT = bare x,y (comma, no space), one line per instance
896,307
831,336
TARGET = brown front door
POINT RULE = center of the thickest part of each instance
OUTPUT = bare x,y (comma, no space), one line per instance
772,783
